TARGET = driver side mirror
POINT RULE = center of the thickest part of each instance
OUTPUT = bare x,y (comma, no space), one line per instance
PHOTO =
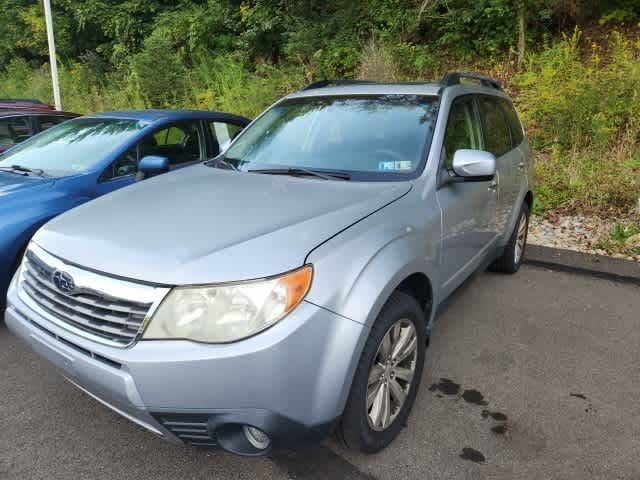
152,165
474,165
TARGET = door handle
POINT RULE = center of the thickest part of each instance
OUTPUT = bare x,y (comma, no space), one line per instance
493,185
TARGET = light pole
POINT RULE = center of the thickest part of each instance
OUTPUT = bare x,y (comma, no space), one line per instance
52,54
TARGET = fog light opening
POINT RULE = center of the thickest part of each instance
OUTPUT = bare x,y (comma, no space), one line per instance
256,437
242,439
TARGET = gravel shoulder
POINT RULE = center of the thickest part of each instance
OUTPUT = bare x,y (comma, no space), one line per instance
587,234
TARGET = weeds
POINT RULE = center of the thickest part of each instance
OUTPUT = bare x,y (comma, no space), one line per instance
617,241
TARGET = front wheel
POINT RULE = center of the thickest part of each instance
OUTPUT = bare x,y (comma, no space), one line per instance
511,259
387,377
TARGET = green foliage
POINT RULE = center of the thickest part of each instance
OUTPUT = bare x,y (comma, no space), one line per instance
481,27
575,97
581,105
580,100
621,232
617,238
158,55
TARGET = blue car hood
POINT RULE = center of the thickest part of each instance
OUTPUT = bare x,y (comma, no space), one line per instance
206,225
11,182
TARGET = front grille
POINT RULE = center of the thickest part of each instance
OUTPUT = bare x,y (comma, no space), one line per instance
78,348
116,320
189,427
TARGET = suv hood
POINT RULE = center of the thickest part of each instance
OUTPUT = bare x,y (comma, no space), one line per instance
205,225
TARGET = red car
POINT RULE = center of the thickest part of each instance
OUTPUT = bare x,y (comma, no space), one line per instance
21,119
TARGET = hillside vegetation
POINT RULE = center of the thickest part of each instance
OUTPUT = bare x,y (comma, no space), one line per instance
573,66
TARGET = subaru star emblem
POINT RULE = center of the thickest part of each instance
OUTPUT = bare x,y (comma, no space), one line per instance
63,281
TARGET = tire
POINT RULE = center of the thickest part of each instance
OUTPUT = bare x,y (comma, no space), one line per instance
511,259
359,427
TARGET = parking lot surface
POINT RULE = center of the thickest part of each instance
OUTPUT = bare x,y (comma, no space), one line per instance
530,376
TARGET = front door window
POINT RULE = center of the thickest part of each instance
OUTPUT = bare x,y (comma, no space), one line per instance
181,143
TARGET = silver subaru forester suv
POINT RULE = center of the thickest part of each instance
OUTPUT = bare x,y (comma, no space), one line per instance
287,288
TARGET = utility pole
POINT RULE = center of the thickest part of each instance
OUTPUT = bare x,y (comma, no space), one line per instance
521,32
52,54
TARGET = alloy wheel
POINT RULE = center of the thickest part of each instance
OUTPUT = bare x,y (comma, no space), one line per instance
521,238
391,374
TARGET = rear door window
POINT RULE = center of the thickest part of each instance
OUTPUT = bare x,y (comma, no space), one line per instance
496,131
517,135
14,130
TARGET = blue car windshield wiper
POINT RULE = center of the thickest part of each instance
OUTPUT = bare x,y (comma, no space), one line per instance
327,175
20,170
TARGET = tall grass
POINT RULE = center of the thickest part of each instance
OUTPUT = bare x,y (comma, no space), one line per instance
582,107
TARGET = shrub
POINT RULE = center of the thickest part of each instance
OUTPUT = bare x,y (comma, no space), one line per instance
588,99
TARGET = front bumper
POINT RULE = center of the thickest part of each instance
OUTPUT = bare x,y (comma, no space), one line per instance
290,381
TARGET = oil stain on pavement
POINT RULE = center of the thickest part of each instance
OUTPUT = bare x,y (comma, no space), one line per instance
472,396
445,386
500,428
581,396
472,454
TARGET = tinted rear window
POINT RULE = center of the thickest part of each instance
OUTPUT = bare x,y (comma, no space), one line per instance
496,131
517,136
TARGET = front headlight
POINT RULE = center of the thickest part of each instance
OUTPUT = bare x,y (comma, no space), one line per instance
228,312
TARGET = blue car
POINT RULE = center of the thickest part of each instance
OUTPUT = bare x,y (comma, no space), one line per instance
87,157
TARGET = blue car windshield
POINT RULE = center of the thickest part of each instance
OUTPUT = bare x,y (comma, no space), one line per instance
371,138
72,147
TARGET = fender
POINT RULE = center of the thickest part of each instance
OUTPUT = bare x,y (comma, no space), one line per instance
370,260
21,224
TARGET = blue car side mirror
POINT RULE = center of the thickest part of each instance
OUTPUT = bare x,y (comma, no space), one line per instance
152,165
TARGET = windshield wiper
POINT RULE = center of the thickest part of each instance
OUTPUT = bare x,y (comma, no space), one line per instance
326,175
20,170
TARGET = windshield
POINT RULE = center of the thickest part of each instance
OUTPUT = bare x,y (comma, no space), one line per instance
72,147
371,138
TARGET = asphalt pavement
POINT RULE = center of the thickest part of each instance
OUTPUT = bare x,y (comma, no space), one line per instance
532,376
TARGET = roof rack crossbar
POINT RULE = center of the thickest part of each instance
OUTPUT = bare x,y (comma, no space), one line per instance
329,83
453,78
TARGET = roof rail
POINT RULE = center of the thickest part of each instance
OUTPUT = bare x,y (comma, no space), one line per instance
329,83
453,78
21,100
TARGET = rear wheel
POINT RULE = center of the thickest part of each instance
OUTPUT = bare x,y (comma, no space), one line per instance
511,259
387,377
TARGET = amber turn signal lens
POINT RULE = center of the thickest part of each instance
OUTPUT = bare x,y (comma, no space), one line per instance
297,284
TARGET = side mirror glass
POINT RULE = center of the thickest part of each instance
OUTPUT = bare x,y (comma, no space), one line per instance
474,164
152,165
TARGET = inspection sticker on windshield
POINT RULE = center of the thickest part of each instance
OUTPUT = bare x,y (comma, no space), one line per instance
401,166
